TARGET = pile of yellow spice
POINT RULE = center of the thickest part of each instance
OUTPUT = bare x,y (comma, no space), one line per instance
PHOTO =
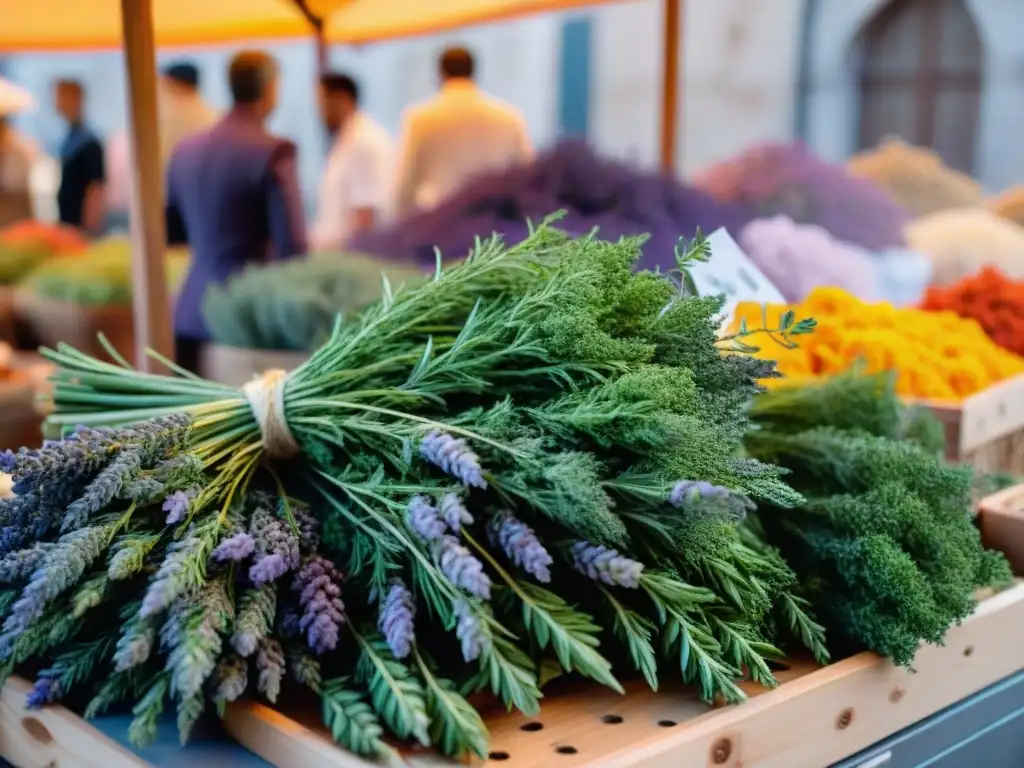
935,355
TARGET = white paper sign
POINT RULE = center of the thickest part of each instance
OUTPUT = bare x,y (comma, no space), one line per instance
730,272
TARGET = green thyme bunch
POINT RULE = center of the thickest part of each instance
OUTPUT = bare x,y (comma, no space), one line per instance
884,542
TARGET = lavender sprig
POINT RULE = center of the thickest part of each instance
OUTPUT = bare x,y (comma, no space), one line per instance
521,545
234,548
232,678
453,455
270,663
195,645
179,504
309,528
104,488
18,565
395,619
256,611
606,565
691,494
185,559
318,584
277,548
461,567
45,690
423,519
135,644
472,636
61,569
454,512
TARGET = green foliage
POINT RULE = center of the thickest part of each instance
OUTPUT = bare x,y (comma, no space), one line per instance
350,720
884,546
292,305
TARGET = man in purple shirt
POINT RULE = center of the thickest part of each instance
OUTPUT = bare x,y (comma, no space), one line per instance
235,189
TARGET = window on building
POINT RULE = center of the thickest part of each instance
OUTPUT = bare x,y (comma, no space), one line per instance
920,78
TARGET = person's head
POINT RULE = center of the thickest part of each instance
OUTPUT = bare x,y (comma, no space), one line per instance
69,98
339,99
181,77
252,76
456,64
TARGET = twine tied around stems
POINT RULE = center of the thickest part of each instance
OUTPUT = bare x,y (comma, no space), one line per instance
265,394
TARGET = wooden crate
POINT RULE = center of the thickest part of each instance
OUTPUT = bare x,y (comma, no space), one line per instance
53,737
987,429
1002,524
816,717
50,322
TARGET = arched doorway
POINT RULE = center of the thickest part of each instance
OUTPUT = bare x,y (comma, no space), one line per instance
920,78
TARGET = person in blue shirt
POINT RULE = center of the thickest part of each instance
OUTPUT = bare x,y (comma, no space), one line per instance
80,196
236,190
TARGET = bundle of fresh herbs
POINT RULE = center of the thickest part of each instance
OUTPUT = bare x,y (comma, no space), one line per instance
401,521
292,305
883,543
476,450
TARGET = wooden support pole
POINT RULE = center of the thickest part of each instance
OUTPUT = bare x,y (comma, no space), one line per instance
670,85
148,237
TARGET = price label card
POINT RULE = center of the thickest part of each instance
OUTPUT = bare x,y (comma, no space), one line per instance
730,272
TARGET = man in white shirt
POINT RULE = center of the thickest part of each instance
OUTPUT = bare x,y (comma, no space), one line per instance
355,191
458,134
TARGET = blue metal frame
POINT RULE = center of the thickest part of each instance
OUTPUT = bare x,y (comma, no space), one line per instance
575,77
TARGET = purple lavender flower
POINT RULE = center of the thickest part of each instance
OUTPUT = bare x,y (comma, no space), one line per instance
454,512
461,567
195,646
318,584
61,568
395,619
178,505
172,577
46,690
234,548
256,611
471,634
270,664
232,678
104,488
423,519
19,565
687,494
453,455
277,548
521,545
309,528
606,565
135,644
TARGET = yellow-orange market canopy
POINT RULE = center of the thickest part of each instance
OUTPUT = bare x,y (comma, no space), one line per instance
82,24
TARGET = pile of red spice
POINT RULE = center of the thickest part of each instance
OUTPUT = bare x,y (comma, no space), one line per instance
990,297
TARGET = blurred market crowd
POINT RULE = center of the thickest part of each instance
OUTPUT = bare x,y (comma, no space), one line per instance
837,142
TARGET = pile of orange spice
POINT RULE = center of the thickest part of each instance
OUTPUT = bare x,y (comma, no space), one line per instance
935,355
990,297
